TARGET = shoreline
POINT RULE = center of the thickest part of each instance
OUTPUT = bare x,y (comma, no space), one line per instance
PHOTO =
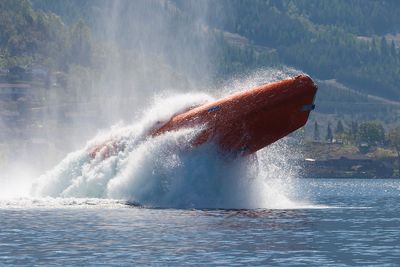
347,168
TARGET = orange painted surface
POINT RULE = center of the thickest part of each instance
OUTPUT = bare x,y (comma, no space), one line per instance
247,121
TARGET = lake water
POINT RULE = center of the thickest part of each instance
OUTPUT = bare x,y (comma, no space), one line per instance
349,222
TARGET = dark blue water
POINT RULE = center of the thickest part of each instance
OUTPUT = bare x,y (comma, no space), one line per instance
351,222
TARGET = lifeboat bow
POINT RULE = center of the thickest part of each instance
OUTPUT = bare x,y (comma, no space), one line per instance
245,122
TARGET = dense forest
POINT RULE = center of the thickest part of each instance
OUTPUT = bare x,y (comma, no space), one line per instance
355,43
343,40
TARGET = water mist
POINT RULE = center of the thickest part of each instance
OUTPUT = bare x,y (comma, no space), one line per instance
153,66
164,171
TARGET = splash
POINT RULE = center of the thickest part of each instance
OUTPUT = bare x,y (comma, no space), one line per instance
15,181
165,171
261,76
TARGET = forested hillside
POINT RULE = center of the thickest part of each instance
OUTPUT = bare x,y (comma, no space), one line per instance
28,36
354,42
343,40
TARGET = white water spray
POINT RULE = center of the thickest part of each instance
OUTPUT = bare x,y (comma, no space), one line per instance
164,171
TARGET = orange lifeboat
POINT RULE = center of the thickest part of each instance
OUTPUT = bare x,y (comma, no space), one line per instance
245,122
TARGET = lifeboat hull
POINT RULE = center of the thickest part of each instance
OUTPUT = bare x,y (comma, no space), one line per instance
248,121
245,122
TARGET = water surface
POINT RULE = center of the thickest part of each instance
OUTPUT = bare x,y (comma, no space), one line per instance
349,222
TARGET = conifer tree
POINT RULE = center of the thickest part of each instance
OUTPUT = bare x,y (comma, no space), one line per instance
393,49
384,46
316,131
339,128
329,134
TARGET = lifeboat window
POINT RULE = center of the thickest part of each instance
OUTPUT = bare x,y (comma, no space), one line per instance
215,108
308,107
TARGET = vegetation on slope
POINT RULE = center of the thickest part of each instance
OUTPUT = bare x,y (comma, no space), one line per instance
343,40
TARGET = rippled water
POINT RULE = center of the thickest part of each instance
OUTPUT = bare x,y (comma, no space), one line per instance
351,222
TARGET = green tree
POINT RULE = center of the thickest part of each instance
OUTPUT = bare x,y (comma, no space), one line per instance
329,134
316,132
393,49
29,37
384,46
394,139
371,132
81,44
339,128
354,131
